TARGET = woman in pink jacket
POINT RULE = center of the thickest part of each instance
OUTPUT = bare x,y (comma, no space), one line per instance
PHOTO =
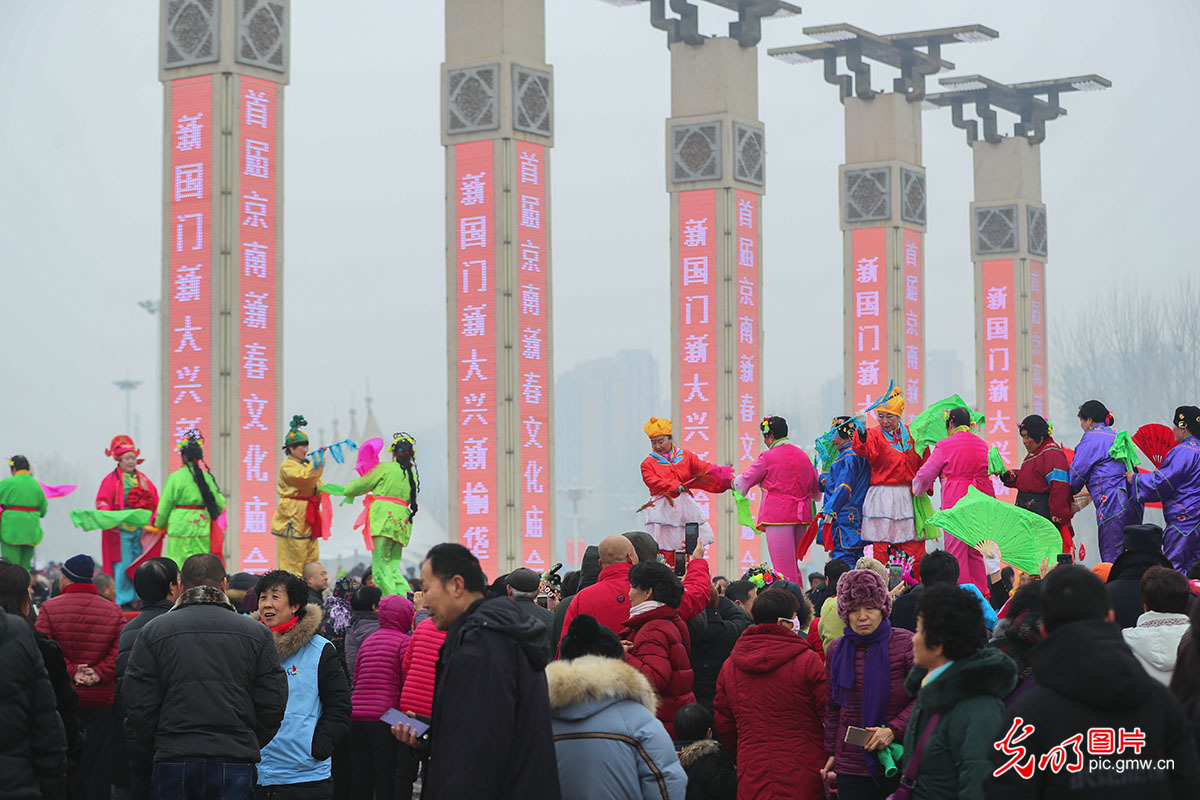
961,461
789,483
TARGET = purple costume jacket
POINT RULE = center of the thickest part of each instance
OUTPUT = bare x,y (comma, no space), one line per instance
1177,485
1105,480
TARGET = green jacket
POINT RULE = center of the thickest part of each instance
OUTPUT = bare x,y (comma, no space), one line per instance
22,527
181,490
970,696
387,519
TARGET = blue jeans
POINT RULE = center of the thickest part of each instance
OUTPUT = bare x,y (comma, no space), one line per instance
203,779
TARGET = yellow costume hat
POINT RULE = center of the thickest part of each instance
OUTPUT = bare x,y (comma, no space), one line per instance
894,403
657,427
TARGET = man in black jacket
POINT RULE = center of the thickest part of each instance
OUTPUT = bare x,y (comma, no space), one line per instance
490,677
1113,731
204,690
1141,549
33,746
157,584
725,621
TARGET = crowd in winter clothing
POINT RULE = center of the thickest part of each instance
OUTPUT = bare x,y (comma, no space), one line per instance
658,686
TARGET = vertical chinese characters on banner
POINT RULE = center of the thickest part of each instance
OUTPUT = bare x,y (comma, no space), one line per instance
749,355
533,355
475,382
1037,337
189,245
868,310
257,287
914,348
696,429
999,365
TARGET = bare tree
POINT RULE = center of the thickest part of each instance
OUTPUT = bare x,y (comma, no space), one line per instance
1136,348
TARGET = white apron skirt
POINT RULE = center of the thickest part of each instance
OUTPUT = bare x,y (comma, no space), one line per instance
665,522
888,515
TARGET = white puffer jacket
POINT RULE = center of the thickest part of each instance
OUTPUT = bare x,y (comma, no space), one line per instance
1155,642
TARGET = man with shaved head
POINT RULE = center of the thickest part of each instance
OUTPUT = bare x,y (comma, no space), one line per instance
318,581
608,598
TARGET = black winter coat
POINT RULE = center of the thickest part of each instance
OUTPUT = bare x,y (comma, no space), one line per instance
1125,587
712,646
711,772
33,746
589,572
1087,677
204,682
65,697
491,736
129,635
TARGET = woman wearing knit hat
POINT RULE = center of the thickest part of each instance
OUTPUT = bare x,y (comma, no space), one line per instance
190,504
888,505
124,487
297,526
1176,484
672,474
865,672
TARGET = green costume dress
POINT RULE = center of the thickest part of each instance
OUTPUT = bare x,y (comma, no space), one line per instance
182,515
389,520
21,530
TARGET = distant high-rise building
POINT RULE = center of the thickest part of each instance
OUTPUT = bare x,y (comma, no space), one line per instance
600,407
944,372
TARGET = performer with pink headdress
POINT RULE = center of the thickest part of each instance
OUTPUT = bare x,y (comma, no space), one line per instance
124,487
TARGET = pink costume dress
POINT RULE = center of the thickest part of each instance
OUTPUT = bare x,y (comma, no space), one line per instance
960,460
789,483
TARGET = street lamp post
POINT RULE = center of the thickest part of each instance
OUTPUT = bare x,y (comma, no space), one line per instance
127,386
882,192
1009,244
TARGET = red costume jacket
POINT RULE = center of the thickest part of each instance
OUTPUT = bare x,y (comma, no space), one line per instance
664,474
111,497
1045,472
893,460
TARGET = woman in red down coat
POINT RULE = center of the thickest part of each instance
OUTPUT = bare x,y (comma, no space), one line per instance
420,667
770,706
378,676
656,640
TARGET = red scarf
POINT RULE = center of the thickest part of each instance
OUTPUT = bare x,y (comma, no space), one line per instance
283,627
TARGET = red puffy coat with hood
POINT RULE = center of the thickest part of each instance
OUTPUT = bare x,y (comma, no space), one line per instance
378,666
769,713
420,668
661,652
88,629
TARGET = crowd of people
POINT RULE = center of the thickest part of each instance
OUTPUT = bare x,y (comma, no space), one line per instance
639,675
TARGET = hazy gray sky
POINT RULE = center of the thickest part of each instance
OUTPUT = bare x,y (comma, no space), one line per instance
80,194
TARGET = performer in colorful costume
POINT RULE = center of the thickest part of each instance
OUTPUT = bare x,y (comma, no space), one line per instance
190,504
22,506
671,474
888,506
390,509
297,525
845,487
125,487
1042,481
1177,485
789,484
1104,477
961,461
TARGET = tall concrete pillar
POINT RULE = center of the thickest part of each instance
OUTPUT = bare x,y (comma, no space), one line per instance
497,128
223,64
882,190
1008,249
716,178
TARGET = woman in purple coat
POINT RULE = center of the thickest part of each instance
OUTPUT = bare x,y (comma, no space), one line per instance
1104,478
1177,485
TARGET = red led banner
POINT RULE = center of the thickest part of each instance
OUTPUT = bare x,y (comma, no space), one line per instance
533,355
749,356
258,321
999,365
475,369
696,429
868,309
190,247
1037,337
914,350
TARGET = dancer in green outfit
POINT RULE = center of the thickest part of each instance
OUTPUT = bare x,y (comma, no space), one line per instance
191,502
22,506
390,508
